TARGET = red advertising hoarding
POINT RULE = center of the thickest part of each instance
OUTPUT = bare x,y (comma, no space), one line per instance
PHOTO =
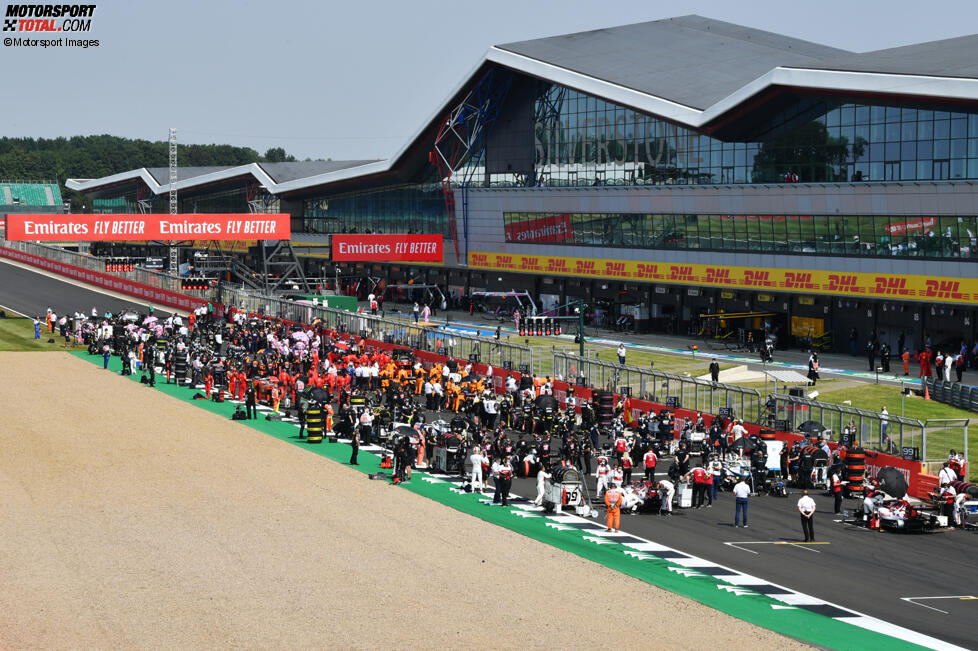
388,248
918,224
146,228
552,228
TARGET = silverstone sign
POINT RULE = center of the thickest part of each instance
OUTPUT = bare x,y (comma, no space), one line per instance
146,228
387,248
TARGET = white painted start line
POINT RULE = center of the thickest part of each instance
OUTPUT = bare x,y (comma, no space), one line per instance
803,545
914,601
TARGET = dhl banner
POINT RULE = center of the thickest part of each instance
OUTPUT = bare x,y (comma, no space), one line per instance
836,283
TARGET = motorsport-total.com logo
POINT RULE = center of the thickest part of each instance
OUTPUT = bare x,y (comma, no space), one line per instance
48,18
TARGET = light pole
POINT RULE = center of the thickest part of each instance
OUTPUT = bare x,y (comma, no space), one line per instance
580,325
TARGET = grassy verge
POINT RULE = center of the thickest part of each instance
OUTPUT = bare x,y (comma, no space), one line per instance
17,334
873,397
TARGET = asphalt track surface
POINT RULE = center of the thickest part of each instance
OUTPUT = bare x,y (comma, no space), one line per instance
31,293
874,573
868,571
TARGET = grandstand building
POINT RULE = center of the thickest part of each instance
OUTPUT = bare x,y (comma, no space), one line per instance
29,197
666,170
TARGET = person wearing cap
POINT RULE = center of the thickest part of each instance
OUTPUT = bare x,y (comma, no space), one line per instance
715,370
806,507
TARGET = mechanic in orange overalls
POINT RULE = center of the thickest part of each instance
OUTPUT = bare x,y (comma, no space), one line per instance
612,500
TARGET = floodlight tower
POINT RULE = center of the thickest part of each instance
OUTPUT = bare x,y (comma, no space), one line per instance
174,251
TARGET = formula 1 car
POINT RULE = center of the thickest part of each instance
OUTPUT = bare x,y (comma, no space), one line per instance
887,507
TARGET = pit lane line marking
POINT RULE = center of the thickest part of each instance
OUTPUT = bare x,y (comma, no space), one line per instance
913,600
803,545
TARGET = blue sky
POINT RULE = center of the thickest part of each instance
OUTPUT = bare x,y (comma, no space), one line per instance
350,80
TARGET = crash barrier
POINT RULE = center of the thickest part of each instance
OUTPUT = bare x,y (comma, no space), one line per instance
444,341
956,394
150,294
667,388
146,277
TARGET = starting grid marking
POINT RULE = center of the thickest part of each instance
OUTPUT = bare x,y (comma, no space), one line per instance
914,601
728,579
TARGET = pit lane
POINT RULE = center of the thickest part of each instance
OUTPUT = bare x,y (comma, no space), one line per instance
860,569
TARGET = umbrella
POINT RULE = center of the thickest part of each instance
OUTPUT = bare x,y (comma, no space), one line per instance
812,427
404,430
150,319
341,346
543,402
300,336
131,326
319,395
745,444
892,482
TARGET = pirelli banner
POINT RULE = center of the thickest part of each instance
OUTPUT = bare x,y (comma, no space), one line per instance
836,283
147,228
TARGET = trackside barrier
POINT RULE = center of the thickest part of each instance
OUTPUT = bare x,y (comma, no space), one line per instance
667,388
956,394
150,294
434,339
146,277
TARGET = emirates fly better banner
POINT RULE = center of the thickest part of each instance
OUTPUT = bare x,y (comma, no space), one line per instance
388,248
146,228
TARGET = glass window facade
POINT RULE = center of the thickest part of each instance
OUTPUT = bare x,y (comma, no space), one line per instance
228,201
926,237
579,140
409,209
225,201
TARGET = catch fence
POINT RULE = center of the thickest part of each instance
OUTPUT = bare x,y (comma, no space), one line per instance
888,433
661,387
